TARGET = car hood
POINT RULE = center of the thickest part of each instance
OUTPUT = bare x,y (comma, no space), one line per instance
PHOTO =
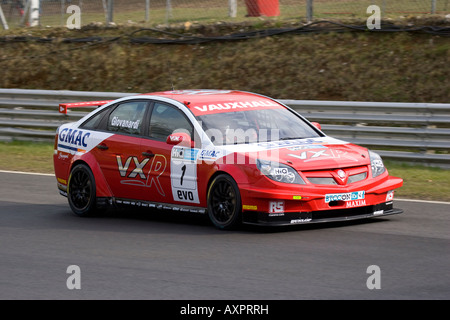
305,154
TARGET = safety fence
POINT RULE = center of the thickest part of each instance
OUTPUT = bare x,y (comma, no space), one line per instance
162,12
412,132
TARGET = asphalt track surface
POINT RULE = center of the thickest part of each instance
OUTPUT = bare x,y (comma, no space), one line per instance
163,256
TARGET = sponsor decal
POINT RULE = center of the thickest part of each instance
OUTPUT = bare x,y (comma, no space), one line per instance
308,146
156,169
63,156
76,141
276,207
280,171
182,153
73,139
297,197
185,195
356,203
62,181
294,221
209,154
175,138
377,213
323,154
200,92
117,122
163,206
390,195
249,207
227,106
350,196
310,143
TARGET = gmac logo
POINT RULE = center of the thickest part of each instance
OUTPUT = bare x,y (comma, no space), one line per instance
74,138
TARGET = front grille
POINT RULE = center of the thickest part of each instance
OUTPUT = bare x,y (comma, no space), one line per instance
322,180
357,177
329,177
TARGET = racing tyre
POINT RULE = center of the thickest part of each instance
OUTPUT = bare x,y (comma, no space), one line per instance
224,202
81,191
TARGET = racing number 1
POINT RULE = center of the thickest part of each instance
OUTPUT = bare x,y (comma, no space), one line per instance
183,168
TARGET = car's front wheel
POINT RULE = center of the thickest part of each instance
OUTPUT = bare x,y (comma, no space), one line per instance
224,202
81,190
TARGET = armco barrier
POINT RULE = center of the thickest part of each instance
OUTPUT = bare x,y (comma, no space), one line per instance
418,132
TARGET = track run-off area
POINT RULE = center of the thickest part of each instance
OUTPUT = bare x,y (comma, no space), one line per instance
124,254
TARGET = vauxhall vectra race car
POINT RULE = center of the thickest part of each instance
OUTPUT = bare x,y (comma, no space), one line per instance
236,156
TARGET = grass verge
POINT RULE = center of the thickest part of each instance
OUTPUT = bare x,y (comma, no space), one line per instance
349,66
420,182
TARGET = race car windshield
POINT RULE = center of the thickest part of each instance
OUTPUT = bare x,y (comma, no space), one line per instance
252,126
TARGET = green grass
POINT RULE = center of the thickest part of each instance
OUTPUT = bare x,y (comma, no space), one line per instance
420,182
26,156
365,66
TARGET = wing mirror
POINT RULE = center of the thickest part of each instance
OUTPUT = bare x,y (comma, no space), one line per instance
317,125
180,138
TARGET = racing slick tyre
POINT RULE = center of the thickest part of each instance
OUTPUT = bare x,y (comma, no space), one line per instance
81,191
224,202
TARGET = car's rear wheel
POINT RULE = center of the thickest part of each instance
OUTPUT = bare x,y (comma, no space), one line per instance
224,202
81,190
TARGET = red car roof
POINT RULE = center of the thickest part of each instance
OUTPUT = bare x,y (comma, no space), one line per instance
203,102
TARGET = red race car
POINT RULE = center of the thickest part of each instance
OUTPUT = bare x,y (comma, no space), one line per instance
237,156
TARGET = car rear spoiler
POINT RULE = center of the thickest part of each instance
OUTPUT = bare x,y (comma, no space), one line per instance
63,107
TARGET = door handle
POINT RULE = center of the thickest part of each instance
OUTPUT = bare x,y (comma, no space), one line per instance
102,146
148,154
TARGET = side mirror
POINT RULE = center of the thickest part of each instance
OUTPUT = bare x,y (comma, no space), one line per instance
317,125
180,138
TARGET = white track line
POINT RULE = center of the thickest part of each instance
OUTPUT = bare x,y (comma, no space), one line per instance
30,173
52,175
422,201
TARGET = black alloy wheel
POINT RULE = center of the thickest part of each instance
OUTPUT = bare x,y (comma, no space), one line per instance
224,202
81,190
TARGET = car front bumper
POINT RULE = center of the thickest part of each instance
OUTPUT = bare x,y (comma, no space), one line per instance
334,215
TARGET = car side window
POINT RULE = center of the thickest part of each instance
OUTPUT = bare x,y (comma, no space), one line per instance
166,120
127,118
95,121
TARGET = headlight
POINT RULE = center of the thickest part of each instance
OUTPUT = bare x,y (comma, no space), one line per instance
279,172
376,163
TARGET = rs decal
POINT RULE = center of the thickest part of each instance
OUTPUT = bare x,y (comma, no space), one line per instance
157,168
